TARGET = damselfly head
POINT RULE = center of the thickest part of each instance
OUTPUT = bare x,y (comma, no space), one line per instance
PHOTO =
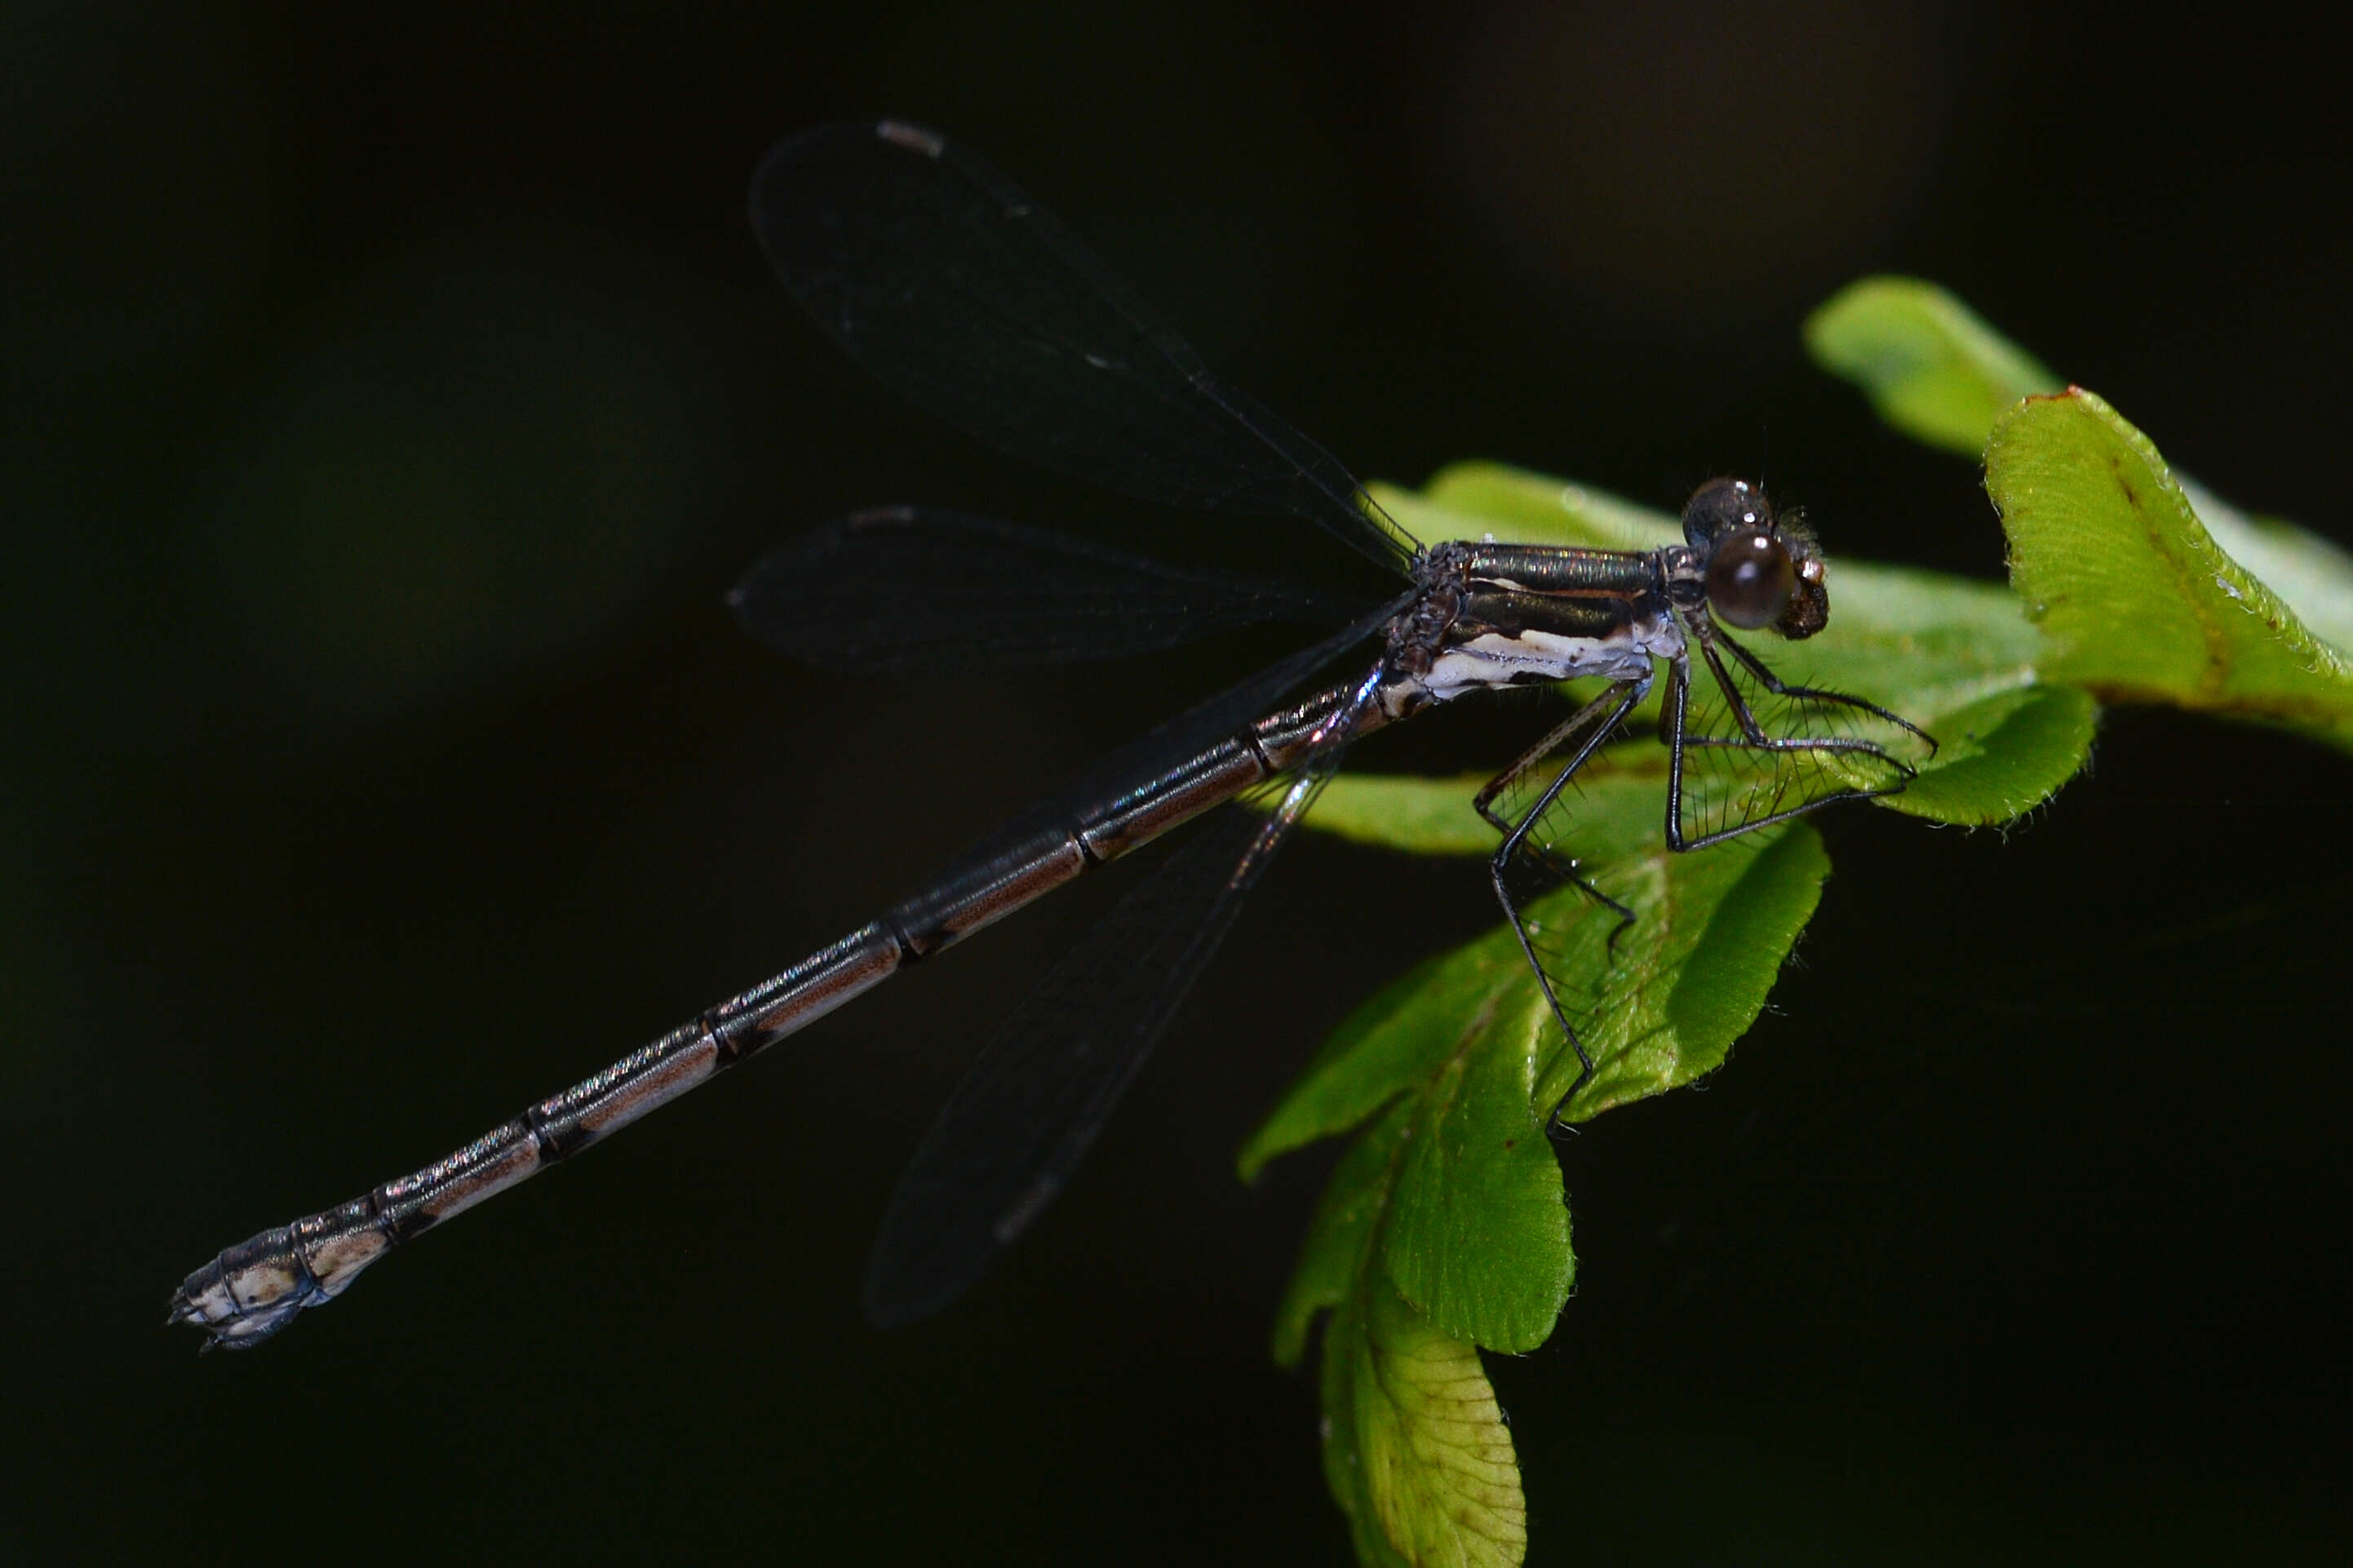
1760,572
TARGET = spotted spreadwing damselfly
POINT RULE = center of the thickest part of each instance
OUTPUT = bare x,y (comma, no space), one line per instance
943,279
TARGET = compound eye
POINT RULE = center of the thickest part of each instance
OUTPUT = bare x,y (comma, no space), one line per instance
1750,579
1718,507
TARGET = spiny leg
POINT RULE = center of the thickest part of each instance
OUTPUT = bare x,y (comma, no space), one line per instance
1754,737
1526,763
1672,720
1778,688
1589,725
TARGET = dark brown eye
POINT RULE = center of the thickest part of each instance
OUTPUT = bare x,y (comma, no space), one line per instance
1750,579
1718,507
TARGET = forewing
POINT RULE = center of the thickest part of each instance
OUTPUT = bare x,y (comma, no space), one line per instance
908,588
949,284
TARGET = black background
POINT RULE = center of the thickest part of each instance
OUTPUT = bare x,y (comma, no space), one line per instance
393,393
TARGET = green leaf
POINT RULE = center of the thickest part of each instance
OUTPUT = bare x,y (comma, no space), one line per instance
1692,976
1913,640
1479,1235
1444,1227
2313,574
1955,657
1400,811
1465,1189
1929,365
1340,1238
2002,755
2139,601
1934,369
1416,1450
1467,500
1621,797
1388,1044
1472,1232
1401,1039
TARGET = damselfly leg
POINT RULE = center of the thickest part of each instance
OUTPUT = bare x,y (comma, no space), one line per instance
1579,735
1731,770
1778,688
1585,728
1734,769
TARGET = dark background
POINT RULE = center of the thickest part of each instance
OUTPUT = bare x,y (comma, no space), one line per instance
392,394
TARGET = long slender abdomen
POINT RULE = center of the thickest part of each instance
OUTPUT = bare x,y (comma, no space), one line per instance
256,1288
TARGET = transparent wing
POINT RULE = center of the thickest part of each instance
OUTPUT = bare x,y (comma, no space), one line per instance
1042,1088
949,284
906,588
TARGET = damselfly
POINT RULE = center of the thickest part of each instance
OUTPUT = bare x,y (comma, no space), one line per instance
946,282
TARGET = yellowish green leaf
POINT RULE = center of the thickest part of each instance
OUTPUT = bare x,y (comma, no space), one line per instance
2139,601
1930,366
